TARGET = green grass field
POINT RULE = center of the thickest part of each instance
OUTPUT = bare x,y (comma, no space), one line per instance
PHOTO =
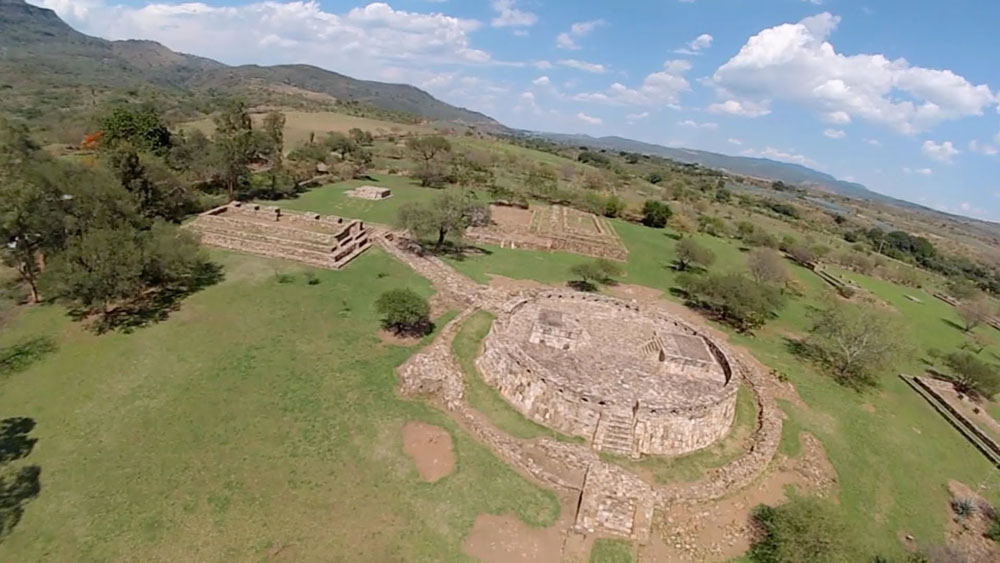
259,421
611,551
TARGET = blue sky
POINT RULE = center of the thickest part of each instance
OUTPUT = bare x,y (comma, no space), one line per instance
901,96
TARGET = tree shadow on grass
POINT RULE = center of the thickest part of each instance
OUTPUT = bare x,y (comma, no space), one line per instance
18,485
953,324
456,251
21,356
154,305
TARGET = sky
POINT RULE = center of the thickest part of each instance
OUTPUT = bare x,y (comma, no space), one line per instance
900,95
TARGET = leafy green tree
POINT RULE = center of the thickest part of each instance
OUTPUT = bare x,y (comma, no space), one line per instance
975,312
803,529
656,214
235,146
361,137
449,214
589,274
613,206
722,195
139,126
855,342
274,133
99,268
973,375
430,152
158,192
733,298
654,178
690,253
963,290
404,312
767,266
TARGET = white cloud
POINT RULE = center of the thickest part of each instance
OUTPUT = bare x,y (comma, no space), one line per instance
595,68
661,88
541,81
982,148
834,133
365,41
921,171
943,152
590,120
509,16
837,117
579,30
796,63
778,154
696,125
742,109
542,65
874,142
636,116
736,142
526,103
696,45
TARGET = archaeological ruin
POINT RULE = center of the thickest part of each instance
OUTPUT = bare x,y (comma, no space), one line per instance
630,381
323,241
374,193
551,228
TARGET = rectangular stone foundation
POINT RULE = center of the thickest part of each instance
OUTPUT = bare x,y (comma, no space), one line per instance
323,241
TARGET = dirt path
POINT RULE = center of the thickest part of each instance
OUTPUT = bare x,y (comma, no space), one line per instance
430,448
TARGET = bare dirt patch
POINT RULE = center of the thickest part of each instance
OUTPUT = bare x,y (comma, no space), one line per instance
431,450
513,285
640,293
506,539
868,407
965,535
721,530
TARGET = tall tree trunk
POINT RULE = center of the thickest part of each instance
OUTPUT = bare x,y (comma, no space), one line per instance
441,234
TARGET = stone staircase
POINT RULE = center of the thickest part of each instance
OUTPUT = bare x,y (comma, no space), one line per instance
616,434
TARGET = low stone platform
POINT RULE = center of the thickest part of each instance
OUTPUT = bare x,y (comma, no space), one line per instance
323,241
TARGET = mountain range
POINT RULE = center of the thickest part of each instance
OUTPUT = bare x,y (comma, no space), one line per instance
48,69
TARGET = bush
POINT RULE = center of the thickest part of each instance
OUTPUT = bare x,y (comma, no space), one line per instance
690,253
803,529
963,507
656,214
855,342
734,298
404,312
972,375
613,206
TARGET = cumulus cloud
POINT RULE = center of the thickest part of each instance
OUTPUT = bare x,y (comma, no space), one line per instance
696,45
526,103
636,116
740,108
874,142
363,41
921,171
834,133
696,125
943,152
585,66
661,88
782,155
589,120
579,30
797,63
509,16
982,148
736,142
541,81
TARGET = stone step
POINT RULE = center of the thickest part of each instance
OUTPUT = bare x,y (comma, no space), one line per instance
224,230
325,260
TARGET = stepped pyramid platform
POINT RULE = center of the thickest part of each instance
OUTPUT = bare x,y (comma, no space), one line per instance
322,241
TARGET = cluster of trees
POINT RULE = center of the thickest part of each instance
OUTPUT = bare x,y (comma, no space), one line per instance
104,237
444,218
733,298
345,156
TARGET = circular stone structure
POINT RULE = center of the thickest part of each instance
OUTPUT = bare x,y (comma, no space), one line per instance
630,380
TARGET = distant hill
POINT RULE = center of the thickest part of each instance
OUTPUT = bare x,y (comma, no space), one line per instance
746,166
46,65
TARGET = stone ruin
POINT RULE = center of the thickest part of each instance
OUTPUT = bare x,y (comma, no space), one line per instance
629,381
322,241
374,193
551,228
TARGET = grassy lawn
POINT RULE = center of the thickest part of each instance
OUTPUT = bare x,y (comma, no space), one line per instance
484,398
332,199
611,551
299,124
259,421
893,453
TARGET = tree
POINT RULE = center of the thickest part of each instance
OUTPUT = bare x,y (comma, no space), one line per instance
542,181
235,145
274,133
803,529
404,312
156,189
767,266
973,375
683,223
600,271
613,206
361,137
99,268
802,254
963,289
690,253
733,298
429,151
655,214
139,126
975,312
451,213
31,205
855,342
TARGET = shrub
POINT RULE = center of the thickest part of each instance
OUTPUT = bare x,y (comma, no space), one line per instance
690,253
613,206
600,271
963,507
734,298
973,375
655,214
404,312
803,529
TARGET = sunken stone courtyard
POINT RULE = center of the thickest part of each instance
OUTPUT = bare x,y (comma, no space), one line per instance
629,381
